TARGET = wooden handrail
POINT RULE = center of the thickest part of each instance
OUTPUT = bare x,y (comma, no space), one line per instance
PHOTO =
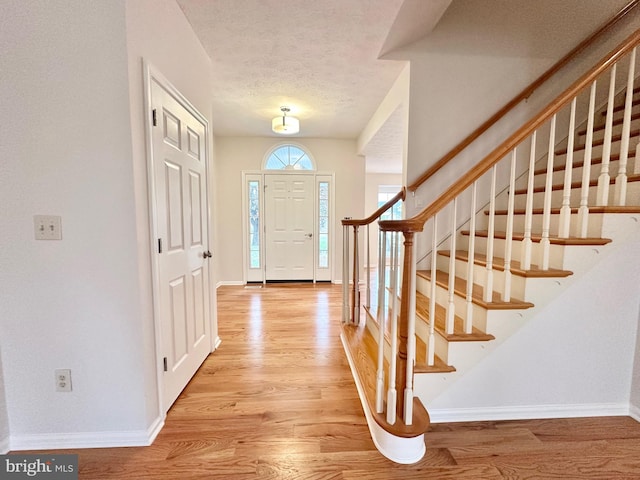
416,223
524,94
401,195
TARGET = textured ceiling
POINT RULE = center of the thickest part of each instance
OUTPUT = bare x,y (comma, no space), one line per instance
319,58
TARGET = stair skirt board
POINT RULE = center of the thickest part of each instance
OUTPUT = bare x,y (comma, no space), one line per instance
60,441
397,449
529,412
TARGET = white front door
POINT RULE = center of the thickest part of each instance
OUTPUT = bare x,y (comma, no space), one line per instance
289,222
180,212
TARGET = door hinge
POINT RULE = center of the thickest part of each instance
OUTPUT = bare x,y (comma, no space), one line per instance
164,362
154,114
159,245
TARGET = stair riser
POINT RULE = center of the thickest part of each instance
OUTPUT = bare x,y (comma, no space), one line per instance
518,284
479,313
599,129
633,196
441,344
556,252
576,174
594,225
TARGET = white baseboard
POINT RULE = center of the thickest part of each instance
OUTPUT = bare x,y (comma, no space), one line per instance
232,283
634,412
60,441
528,412
4,445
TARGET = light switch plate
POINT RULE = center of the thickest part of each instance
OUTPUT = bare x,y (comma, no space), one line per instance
47,227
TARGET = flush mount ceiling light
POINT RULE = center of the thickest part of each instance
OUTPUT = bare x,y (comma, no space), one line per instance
285,125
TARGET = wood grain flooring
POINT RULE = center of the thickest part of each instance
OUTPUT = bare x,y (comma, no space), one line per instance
277,401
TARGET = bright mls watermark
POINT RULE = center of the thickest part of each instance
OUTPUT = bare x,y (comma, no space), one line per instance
50,467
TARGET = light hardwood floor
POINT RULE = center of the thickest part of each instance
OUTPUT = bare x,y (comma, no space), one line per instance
277,401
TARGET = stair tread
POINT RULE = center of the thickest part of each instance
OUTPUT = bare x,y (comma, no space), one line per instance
363,350
439,366
422,366
616,122
575,185
614,157
516,269
458,335
535,237
556,211
597,142
460,289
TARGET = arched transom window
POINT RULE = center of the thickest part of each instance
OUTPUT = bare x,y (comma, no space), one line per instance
289,157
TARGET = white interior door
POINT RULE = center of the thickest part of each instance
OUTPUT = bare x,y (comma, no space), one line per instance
289,222
180,187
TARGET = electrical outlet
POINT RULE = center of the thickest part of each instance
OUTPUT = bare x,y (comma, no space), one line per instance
47,227
63,380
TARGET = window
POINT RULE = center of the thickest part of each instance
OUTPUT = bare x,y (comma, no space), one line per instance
323,224
254,223
288,157
386,193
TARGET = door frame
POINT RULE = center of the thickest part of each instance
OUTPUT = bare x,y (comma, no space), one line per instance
260,175
150,75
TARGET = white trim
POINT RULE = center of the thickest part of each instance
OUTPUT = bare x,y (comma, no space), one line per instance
267,155
58,441
528,412
152,74
231,283
634,412
397,449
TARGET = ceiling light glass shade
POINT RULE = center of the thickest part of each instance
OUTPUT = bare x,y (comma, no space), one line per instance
285,125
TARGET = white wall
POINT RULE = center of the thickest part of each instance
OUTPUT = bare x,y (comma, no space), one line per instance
73,303
4,418
635,382
158,33
235,154
72,89
575,357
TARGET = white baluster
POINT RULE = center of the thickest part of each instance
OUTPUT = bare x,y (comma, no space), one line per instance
488,288
411,342
565,210
583,210
432,296
355,308
509,240
546,211
468,319
392,395
368,295
451,306
382,260
602,197
621,179
345,274
382,271
527,243
636,163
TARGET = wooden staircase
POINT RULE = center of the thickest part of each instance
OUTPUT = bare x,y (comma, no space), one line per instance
519,299
504,240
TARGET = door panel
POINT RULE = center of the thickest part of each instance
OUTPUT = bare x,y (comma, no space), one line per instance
181,225
289,226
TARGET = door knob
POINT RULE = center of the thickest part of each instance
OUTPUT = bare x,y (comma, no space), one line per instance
309,235
207,254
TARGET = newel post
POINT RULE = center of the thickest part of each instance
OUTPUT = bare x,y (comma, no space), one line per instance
403,322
